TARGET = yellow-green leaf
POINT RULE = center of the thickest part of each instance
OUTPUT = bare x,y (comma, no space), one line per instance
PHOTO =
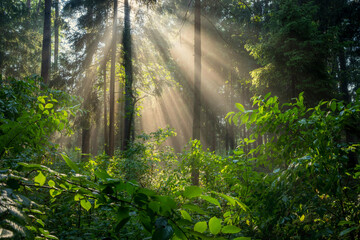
40,178
186,215
211,200
200,227
51,183
214,225
49,105
230,229
192,191
85,204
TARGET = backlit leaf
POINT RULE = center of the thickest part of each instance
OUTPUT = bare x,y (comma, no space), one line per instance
40,178
230,229
214,225
200,227
192,191
85,204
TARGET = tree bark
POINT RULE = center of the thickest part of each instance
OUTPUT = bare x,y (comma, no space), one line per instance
197,85
56,28
129,98
112,85
46,46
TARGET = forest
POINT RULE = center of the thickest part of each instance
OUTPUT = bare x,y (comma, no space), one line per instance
179,119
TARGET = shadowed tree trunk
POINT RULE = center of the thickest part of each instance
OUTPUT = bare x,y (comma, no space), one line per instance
46,46
56,28
129,98
28,4
112,85
197,86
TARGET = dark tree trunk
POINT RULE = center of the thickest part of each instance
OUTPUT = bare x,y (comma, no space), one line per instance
95,133
28,4
56,28
112,85
85,143
46,46
197,85
129,98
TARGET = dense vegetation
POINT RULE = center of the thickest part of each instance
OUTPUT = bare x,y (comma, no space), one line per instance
77,163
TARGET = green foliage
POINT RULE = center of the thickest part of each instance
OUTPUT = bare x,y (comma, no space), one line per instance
29,114
306,187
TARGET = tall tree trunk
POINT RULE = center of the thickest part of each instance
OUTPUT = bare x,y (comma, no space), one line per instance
106,132
112,85
56,28
28,4
129,98
197,85
46,46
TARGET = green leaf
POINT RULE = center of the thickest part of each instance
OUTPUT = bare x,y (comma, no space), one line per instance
123,217
85,204
242,238
51,237
194,208
185,215
155,206
192,191
333,106
230,229
214,225
70,163
200,227
211,200
51,183
302,218
347,231
267,95
231,201
54,193
78,197
40,178
102,174
240,107
41,99
41,107
40,222
229,116
49,105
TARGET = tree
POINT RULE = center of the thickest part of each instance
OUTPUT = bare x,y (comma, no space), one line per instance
46,46
56,35
112,84
293,54
197,84
127,58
